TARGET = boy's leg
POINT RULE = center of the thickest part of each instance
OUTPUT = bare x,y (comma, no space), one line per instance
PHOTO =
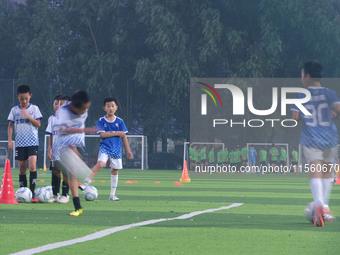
55,181
72,182
32,163
92,174
327,188
22,173
114,183
317,191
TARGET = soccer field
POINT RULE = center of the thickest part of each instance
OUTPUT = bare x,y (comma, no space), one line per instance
270,221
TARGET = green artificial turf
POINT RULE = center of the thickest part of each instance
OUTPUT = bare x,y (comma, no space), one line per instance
271,220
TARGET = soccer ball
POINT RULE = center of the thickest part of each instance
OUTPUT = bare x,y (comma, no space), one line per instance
90,193
43,194
23,195
49,190
309,211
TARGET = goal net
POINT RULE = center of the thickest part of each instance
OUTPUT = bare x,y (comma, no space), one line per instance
5,153
283,159
138,145
193,154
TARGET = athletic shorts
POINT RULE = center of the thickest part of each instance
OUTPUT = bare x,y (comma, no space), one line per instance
23,153
252,161
115,163
273,162
313,154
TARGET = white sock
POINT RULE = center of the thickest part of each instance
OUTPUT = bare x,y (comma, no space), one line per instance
87,181
326,188
316,187
114,183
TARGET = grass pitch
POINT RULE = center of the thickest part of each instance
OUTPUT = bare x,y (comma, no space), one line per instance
271,221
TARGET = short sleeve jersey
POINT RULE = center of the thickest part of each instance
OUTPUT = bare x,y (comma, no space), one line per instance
263,155
283,155
203,154
111,146
295,156
25,133
319,130
252,153
273,151
67,119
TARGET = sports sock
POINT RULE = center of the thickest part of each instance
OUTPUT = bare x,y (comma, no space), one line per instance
114,183
33,181
65,189
326,188
87,181
55,184
22,180
316,187
76,203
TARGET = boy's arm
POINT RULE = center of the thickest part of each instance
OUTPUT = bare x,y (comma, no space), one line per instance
112,134
80,130
34,122
127,147
10,133
296,115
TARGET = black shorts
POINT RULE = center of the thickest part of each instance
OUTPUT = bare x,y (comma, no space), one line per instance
273,162
23,153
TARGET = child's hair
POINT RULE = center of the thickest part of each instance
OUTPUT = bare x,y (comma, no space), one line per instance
64,97
79,98
314,69
58,97
23,89
110,99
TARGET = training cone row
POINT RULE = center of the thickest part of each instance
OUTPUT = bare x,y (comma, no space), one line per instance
185,174
7,191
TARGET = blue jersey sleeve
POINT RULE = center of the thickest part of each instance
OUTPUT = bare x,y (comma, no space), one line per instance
122,127
100,126
332,97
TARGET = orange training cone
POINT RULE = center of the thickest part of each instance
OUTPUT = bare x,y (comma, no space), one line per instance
338,178
6,191
45,167
185,174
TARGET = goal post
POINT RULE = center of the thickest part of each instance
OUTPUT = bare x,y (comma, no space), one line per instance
5,153
199,146
267,146
138,145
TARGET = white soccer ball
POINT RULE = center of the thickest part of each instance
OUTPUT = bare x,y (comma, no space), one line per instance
309,211
43,194
90,193
49,190
23,195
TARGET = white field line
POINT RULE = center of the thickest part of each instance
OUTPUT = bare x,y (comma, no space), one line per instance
110,231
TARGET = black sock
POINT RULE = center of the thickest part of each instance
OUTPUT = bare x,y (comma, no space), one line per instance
22,180
33,181
65,188
55,184
76,203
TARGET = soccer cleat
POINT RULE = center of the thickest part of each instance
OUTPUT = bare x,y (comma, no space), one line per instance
63,199
113,198
77,212
55,198
34,200
327,216
82,187
318,217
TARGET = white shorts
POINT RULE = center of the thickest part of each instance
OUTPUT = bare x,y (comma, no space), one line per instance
115,163
313,154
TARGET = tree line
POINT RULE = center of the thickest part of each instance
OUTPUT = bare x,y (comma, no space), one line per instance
144,52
